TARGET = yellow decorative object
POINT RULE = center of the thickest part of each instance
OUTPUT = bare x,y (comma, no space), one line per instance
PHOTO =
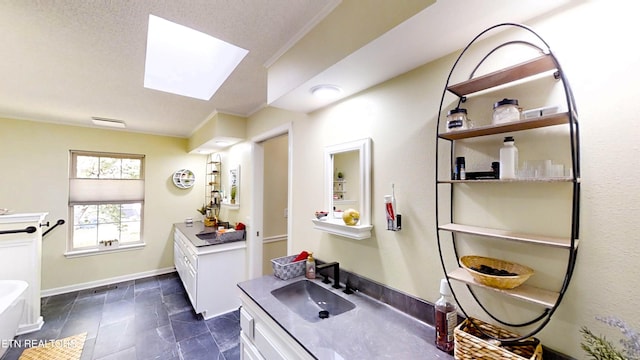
351,217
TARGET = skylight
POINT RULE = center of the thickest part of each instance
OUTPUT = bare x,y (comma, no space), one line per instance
187,62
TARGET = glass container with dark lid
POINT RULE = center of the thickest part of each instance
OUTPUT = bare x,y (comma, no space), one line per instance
506,110
457,120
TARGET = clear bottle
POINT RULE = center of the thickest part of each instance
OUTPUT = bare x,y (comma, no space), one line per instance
446,318
508,159
311,267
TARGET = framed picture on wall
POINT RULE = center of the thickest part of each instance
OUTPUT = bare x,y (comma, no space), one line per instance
234,186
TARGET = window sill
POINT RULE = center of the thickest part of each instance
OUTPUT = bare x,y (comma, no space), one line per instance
80,253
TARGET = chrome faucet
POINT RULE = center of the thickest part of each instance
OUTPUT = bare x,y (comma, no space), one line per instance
336,273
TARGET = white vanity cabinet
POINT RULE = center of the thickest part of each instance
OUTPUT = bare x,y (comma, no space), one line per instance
21,259
210,273
261,338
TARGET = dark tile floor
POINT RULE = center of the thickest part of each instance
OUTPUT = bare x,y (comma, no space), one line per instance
148,318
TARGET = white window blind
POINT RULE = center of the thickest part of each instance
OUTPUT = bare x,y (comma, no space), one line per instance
102,191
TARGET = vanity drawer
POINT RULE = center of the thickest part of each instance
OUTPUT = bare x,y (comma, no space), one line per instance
246,323
189,281
266,345
186,266
247,350
179,260
186,249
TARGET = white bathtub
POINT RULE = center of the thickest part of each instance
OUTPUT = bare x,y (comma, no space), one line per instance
11,308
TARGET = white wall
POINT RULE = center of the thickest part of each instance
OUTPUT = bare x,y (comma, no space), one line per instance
593,43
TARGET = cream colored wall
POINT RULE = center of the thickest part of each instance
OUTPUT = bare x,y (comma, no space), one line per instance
35,156
400,117
275,185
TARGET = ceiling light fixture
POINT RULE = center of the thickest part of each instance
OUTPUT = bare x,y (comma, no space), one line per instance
108,122
187,62
223,143
326,91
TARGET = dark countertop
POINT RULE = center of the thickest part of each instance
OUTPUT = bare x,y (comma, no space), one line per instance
191,232
373,330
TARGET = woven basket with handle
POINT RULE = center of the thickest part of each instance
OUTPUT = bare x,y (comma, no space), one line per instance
471,343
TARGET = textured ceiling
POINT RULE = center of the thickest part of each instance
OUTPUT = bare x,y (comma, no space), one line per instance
66,61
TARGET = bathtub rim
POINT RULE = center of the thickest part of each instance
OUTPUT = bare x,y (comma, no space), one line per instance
17,290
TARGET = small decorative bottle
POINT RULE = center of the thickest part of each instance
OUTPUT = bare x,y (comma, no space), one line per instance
311,267
446,318
459,171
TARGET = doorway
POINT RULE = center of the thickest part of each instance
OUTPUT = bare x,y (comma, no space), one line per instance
271,178
275,204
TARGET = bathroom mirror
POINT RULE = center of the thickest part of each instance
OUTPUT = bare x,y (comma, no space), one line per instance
347,185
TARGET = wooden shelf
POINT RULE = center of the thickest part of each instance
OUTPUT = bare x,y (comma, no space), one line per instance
509,235
523,292
344,202
520,71
540,122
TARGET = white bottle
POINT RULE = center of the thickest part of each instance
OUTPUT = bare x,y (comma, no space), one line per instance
508,159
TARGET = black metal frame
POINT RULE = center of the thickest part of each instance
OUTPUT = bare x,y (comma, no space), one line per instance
545,316
28,230
32,229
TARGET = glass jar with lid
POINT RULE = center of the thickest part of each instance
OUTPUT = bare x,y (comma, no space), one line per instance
506,110
457,120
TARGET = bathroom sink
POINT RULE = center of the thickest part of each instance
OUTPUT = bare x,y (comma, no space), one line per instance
213,237
311,301
207,236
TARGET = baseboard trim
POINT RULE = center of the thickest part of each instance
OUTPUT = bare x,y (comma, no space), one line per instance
103,282
275,238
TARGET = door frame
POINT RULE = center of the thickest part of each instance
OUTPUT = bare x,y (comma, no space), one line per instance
257,202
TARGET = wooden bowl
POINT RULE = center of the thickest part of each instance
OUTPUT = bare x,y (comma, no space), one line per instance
496,281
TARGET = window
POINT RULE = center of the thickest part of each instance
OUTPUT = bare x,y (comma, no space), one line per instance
106,197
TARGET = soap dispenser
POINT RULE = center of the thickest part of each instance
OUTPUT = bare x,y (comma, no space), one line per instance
311,267
446,318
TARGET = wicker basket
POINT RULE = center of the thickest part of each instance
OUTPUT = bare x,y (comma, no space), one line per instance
285,269
469,343
230,236
500,282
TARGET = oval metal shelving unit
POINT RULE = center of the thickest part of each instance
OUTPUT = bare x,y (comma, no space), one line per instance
545,63
212,197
